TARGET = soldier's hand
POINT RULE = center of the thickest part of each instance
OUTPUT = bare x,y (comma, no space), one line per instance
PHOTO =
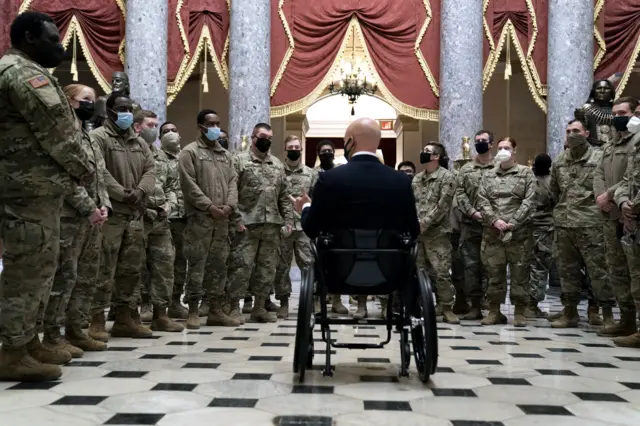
134,197
96,217
604,202
215,211
226,210
630,226
105,213
241,228
162,212
477,216
501,225
627,211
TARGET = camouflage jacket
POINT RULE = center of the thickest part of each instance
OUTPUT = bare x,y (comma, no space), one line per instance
163,197
572,187
434,194
543,216
85,199
469,178
263,196
629,188
41,150
300,179
207,177
611,169
129,164
508,195
177,211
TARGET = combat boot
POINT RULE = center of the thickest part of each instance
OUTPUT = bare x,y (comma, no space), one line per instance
248,305
176,310
607,317
234,310
556,316
461,306
16,365
439,310
47,355
270,306
593,315
283,312
448,316
162,322
54,341
533,311
494,316
77,338
362,312
125,325
625,327
632,341
217,317
259,313
475,313
336,305
146,313
203,311
193,320
111,316
519,319
98,327
569,318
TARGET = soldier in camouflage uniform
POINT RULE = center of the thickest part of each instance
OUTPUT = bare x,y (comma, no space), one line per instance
129,177
264,208
434,190
607,179
578,224
209,186
461,305
506,200
41,156
157,276
469,178
300,180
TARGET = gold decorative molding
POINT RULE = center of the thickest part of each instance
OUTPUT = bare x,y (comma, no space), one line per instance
421,59
630,65
602,46
288,53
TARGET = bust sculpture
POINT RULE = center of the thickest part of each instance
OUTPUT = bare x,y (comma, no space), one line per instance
119,84
596,113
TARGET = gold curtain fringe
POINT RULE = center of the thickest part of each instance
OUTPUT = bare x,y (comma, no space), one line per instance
24,6
602,46
627,72
421,59
205,81
507,66
289,52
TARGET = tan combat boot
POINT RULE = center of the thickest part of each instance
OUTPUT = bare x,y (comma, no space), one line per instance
607,317
176,310
495,316
234,310
47,355
556,316
439,310
533,311
593,315
126,326
247,307
283,311
146,313
217,317
362,311
569,319
203,311
77,338
162,322
16,365
336,305
632,341
625,327
475,313
519,319
448,316
259,313
270,306
98,327
193,320
53,340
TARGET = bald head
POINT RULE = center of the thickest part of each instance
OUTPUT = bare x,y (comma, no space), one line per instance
364,134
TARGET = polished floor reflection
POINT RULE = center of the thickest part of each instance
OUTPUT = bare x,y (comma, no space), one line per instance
488,376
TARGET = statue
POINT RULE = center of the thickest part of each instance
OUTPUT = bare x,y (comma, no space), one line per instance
119,84
466,148
596,113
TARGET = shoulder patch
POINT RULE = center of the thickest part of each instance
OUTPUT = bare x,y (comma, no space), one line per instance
38,81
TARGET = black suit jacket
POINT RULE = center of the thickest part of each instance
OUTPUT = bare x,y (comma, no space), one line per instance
362,194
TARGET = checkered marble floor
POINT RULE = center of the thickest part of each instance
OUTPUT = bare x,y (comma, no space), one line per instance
487,376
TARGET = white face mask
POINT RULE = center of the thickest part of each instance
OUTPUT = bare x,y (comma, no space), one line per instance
634,125
503,155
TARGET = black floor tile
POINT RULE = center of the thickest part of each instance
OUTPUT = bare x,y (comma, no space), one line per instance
265,358
233,402
202,333
126,374
443,328
257,329
508,381
121,349
375,360
628,358
387,405
302,421
275,345
85,363
601,397
597,365
564,350
364,327
79,400
454,392
367,336
474,423
323,351
34,386
596,345
134,419
537,339
210,365
517,329
312,389
568,335
634,386
485,333
282,326
178,387
483,362
451,337
251,376
237,338
181,343
221,350
283,334
465,348
444,370
545,410
526,355
157,356
318,330
546,372
379,379
504,343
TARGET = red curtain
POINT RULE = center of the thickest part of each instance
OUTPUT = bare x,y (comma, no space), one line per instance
390,31
6,18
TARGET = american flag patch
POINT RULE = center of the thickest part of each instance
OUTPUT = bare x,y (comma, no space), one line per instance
38,81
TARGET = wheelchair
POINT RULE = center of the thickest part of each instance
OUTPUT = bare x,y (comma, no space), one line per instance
368,262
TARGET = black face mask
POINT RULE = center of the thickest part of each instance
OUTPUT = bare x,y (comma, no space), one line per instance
348,148
294,155
425,157
326,158
263,144
620,122
85,110
47,55
482,146
224,143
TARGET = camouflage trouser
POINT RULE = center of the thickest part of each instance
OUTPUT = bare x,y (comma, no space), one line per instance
457,265
30,231
617,265
496,255
434,255
474,272
157,273
541,262
180,263
206,249
632,253
121,263
300,245
259,245
573,246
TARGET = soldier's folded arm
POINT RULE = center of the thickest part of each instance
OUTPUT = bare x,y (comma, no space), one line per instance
81,201
464,205
148,180
52,122
528,204
484,207
190,190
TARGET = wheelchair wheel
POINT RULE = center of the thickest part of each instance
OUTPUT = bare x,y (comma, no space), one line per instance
424,333
303,348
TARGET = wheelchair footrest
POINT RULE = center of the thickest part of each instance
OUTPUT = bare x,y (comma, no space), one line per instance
358,345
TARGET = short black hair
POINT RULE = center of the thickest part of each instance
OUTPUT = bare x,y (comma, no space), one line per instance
482,132
407,164
111,100
28,22
325,142
542,164
577,120
202,114
442,153
166,123
260,126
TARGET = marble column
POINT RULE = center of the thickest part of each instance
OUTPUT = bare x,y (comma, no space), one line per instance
146,54
249,67
460,73
570,66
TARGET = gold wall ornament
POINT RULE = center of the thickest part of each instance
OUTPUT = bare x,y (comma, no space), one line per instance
530,162
244,145
466,148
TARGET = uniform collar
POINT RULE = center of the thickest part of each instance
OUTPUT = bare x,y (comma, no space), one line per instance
297,169
267,159
113,130
202,143
512,169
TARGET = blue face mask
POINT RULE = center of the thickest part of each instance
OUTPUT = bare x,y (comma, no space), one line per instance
125,120
212,133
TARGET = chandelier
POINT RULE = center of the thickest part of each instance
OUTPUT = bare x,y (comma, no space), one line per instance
353,80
